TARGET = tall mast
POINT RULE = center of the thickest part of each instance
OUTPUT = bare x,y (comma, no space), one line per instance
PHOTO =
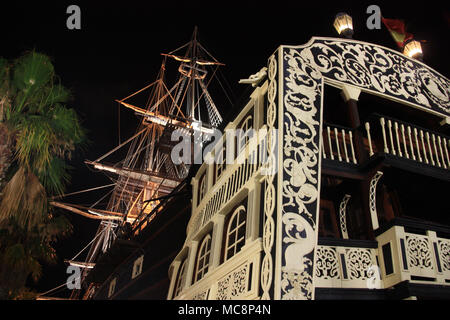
147,172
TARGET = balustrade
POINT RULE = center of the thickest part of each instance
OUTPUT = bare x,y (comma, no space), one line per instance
389,136
413,254
338,144
235,176
345,266
409,141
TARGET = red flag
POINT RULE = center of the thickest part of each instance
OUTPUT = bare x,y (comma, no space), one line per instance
397,30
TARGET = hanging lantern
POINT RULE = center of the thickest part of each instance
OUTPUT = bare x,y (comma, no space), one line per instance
343,24
413,49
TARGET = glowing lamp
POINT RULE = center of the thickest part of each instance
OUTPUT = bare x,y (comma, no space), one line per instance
343,24
413,49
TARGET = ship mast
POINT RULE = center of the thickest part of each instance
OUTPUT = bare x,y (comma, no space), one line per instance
147,173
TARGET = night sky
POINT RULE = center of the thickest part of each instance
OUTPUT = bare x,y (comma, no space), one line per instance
117,51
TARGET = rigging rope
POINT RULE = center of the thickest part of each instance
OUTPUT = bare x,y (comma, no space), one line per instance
184,45
118,120
120,146
146,87
58,287
107,194
81,191
98,234
226,94
65,283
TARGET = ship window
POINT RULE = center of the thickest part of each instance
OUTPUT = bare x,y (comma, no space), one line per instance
203,258
201,188
235,237
137,267
220,162
179,280
112,287
245,132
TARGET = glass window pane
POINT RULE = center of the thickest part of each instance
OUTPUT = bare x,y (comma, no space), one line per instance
242,217
230,252
239,245
241,232
231,239
233,223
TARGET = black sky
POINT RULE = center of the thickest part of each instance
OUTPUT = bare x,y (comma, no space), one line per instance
117,51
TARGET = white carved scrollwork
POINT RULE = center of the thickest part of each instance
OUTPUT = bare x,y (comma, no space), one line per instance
373,198
382,70
203,295
358,262
327,265
418,251
296,272
270,192
302,88
303,70
343,215
222,288
444,253
346,266
234,284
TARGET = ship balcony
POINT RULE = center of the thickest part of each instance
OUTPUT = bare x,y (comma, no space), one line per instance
405,250
394,141
415,251
346,263
247,167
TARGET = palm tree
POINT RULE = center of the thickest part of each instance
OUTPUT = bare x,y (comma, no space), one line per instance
22,252
37,134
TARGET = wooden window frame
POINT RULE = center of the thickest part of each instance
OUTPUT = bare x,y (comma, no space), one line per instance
205,246
243,138
180,277
202,186
220,163
112,287
137,267
236,214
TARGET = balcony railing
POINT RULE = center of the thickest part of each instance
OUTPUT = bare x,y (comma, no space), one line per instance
338,144
405,250
246,166
236,278
407,141
347,264
381,134
411,251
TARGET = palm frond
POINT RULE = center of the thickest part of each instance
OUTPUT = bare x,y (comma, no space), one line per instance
34,268
34,139
31,73
55,177
44,133
25,199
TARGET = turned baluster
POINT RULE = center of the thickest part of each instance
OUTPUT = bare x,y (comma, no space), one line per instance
329,143
369,139
386,150
398,139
